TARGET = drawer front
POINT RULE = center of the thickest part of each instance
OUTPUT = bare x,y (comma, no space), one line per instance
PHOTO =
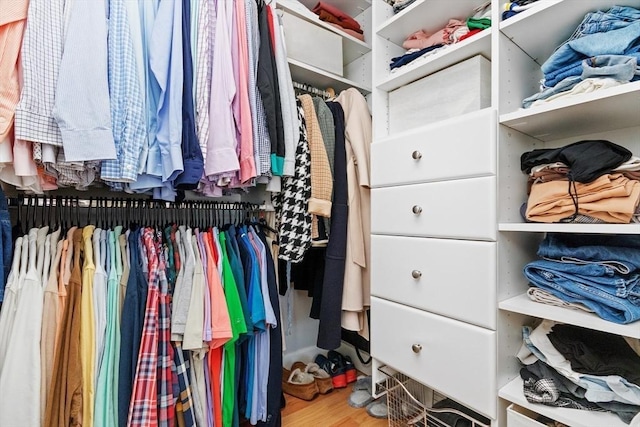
457,148
463,209
452,357
455,278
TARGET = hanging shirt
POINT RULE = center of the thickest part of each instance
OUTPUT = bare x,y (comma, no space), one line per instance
7,314
13,17
99,301
41,56
81,106
125,92
21,369
194,324
124,252
49,321
87,328
143,410
206,13
106,404
221,158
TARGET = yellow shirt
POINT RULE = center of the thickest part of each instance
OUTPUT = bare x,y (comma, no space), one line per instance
87,329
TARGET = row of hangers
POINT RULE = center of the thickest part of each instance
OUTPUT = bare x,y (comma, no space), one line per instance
65,212
304,88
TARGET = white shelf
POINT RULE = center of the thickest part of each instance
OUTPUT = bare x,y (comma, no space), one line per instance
541,29
600,111
428,15
305,73
352,8
523,305
571,417
352,48
569,228
478,44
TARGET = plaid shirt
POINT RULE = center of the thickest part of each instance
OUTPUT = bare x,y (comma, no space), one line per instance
185,399
166,367
143,410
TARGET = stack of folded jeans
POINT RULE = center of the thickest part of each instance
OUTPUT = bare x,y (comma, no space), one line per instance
601,272
604,45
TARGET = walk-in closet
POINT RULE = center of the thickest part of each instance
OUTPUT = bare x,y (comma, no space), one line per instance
323,213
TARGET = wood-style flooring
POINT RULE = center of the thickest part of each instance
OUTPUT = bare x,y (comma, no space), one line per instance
329,410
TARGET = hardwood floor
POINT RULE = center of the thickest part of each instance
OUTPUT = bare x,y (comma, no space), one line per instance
329,410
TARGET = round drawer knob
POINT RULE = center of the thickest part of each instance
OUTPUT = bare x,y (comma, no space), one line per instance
416,155
416,209
417,348
416,274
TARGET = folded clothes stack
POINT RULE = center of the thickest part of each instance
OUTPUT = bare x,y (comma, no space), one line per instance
513,8
336,17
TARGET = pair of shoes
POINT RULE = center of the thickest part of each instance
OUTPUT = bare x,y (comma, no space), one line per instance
322,377
337,372
345,362
362,393
299,384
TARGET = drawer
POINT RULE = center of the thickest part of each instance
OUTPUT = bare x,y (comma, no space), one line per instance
452,357
463,209
455,278
457,148
517,416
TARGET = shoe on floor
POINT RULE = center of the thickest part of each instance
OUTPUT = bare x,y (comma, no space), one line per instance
322,377
338,376
346,363
378,408
299,384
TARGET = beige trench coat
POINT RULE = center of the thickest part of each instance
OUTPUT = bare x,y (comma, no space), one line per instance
356,297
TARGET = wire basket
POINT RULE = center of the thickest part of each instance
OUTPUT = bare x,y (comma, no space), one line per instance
410,404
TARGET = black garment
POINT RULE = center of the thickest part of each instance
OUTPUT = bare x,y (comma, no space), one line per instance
269,90
274,384
308,274
191,152
329,330
595,352
407,58
587,159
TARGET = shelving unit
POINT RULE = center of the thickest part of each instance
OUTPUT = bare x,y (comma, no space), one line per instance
523,305
599,111
516,48
479,44
570,228
317,77
572,417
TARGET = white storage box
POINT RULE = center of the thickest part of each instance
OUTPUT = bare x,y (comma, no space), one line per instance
456,90
312,44
517,416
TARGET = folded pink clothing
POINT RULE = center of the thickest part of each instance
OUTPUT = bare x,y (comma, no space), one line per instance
345,20
420,39
348,31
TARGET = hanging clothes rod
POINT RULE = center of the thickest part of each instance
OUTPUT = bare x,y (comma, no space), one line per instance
105,202
312,90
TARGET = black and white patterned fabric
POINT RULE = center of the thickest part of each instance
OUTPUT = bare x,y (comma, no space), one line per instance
545,391
292,202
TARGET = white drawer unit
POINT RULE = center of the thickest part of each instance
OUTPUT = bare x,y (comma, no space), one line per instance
454,278
459,209
452,357
457,148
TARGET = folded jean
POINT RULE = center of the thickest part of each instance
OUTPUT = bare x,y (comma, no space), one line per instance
599,22
619,67
563,86
616,301
545,297
585,86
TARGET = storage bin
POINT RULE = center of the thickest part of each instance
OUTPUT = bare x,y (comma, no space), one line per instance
312,44
458,89
517,416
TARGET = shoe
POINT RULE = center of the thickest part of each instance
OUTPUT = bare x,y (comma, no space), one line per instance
362,392
378,408
345,362
322,377
338,376
299,384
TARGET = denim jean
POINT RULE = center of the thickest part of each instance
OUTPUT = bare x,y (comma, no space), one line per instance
7,243
612,297
619,67
563,86
621,253
614,42
598,22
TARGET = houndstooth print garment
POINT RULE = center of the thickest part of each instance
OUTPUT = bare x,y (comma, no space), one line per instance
292,202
